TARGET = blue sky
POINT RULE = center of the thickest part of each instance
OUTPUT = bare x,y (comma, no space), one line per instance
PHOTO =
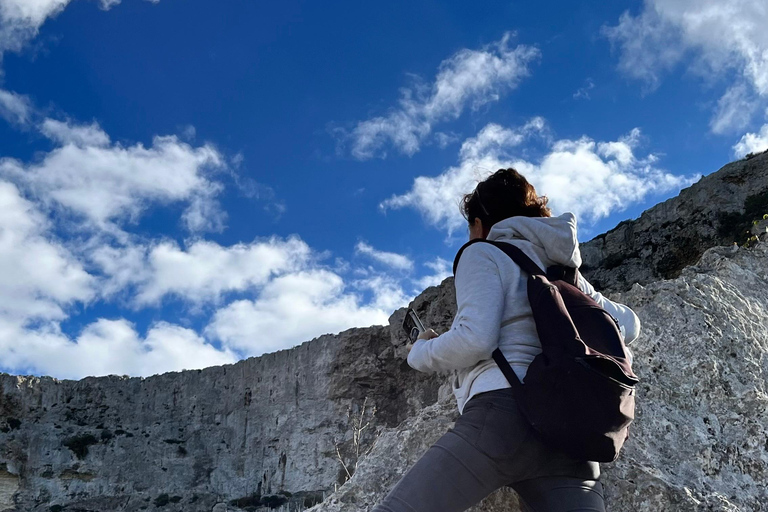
191,183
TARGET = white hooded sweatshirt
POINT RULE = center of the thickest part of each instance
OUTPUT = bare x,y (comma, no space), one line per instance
493,308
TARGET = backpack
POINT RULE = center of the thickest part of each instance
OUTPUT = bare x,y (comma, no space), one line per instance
579,392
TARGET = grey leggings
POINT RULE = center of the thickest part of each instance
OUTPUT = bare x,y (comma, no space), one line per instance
492,446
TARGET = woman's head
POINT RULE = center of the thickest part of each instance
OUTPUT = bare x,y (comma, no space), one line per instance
505,193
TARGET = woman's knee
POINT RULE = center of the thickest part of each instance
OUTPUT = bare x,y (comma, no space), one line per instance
561,494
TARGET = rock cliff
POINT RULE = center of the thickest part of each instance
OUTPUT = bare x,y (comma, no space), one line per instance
700,438
277,431
717,210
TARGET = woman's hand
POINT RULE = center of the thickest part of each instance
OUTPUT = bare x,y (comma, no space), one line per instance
426,335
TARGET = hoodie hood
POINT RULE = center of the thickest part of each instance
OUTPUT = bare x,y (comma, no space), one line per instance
555,235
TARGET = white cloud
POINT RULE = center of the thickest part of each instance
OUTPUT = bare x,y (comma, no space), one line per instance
583,91
189,132
15,108
291,309
391,259
437,198
20,20
441,269
494,138
387,293
446,139
724,38
649,45
81,136
734,110
203,272
39,277
295,299
108,4
106,184
752,143
591,179
204,212
107,347
40,284
594,180
254,190
468,78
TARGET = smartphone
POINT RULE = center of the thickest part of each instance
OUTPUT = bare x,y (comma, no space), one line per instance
412,325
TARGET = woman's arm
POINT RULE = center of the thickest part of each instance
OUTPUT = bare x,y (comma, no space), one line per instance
627,318
474,333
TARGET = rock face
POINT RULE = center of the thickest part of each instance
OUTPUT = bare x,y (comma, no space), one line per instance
279,431
266,426
700,438
718,210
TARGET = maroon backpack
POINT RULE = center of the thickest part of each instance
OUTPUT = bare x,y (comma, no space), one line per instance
579,392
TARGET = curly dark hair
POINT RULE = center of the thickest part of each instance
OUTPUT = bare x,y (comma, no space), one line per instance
505,193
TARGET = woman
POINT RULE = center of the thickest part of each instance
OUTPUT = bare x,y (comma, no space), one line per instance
491,445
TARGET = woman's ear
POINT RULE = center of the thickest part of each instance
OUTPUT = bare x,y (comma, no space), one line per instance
477,230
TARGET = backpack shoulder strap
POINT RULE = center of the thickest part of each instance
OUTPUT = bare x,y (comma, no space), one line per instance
507,370
525,263
461,251
517,255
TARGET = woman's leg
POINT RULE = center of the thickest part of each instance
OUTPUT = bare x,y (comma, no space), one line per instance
460,469
561,494
450,477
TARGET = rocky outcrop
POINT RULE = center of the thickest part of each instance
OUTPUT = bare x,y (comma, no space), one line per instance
700,438
282,431
717,210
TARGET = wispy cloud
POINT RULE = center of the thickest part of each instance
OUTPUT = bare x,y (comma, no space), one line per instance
20,20
390,259
722,38
15,108
441,269
583,92
469,78
82,136
591,179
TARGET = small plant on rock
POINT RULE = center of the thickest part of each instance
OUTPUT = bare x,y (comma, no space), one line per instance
754,238
362,444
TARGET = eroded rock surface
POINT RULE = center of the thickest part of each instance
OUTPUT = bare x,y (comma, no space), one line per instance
700,439
717,210
265,426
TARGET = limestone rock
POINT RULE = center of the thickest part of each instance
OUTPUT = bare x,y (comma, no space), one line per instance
718,210
265,425
699,438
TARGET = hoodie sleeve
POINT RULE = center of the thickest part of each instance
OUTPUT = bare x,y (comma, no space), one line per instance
474,334
628,320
